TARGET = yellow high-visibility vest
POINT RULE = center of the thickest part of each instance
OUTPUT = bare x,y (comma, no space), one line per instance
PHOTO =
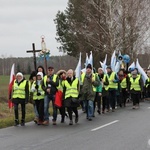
111,83
40,90
19,90
71,90
54,78
135,84
124,83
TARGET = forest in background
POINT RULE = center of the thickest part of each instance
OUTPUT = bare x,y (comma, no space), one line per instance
26,65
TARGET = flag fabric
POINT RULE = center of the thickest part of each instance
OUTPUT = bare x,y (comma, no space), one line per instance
86,60
11,82
104,64
113,61
78,68
141,71
90,61
132,65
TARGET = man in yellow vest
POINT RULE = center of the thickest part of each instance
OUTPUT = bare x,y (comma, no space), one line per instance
49,85
20,95
135,88
89,82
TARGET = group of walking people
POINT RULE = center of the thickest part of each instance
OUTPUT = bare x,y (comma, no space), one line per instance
92,91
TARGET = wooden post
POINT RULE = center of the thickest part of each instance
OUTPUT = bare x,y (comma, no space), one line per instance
34,54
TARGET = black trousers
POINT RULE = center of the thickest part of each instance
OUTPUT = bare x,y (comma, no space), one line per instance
40,108
22,111
98,101
71,110
62,113
136,98
105,103
112,98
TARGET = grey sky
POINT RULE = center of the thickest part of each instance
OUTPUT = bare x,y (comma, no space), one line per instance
22,22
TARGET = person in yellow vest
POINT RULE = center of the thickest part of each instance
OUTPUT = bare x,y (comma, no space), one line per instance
49,85
89,82
104,80
32,78
71,93
147,85
38,97
20,96
62,77
113,86
124,81
135,87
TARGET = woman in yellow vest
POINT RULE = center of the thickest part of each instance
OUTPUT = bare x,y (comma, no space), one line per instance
62,77
135,88
38,97
71,93
20,95
123,83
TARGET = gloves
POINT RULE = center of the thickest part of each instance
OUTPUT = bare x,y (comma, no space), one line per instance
36,86
38,94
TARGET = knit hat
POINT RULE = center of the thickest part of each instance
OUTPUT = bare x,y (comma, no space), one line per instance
40,74
89,66
19,74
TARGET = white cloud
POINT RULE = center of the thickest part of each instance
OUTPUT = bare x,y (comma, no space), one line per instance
23,22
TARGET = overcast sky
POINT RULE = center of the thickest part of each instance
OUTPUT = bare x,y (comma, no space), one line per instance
22,22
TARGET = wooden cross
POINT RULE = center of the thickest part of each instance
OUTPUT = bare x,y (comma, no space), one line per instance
34,54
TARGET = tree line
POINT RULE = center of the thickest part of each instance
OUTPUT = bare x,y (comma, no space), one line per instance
26,65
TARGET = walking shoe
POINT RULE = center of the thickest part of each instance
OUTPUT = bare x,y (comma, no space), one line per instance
22,123
36,120
99,112
46,122
133,107
103,111
40,122
113,110
54,122
16,123
76,120
71,122
108,110
90,119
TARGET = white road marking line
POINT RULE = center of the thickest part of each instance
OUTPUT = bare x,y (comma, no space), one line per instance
105,125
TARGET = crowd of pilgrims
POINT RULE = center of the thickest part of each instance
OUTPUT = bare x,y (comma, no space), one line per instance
95,92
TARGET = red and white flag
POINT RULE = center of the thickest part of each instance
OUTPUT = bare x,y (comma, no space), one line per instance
11,82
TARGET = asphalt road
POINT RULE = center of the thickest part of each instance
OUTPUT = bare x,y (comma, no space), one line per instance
124,129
